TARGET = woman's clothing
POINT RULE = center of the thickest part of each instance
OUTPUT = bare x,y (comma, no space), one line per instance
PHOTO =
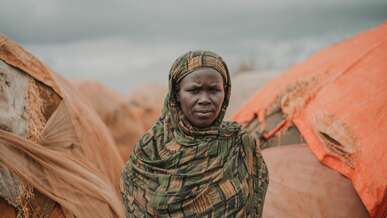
177,170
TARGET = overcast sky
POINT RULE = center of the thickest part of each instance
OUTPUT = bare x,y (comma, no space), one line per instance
125,44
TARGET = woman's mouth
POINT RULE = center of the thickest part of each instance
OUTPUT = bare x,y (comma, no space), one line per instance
203,113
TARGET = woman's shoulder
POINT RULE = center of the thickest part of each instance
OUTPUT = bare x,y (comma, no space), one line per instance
247,141
231,125
235,127
239,132
230,128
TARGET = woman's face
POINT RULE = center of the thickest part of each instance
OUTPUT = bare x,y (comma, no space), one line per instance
201,95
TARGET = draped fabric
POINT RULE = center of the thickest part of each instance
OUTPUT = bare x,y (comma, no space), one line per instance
75,163
177,170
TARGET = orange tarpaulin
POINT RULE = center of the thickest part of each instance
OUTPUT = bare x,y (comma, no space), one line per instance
295,190
338,101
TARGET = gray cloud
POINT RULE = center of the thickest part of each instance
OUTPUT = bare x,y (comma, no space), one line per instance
62,21
128,43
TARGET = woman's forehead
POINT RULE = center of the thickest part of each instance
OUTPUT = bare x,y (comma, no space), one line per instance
202,75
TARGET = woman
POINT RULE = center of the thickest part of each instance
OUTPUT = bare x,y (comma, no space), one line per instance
192,163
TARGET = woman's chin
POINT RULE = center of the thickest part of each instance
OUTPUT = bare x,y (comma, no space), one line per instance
203,123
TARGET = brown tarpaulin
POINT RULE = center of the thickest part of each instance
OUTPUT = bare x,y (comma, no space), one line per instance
127,117
124,121
76,163
148,100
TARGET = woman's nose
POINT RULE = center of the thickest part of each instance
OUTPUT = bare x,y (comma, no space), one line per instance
204,98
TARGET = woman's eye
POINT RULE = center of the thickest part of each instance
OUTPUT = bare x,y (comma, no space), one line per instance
193,91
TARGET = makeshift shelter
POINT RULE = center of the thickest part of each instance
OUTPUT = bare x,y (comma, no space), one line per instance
302,187
337,102
57,158
242,85
125,121
149,101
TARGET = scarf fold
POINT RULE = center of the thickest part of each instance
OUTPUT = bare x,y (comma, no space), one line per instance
177,170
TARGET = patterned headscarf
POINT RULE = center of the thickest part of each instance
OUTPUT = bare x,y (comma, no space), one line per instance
183,66
178,170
